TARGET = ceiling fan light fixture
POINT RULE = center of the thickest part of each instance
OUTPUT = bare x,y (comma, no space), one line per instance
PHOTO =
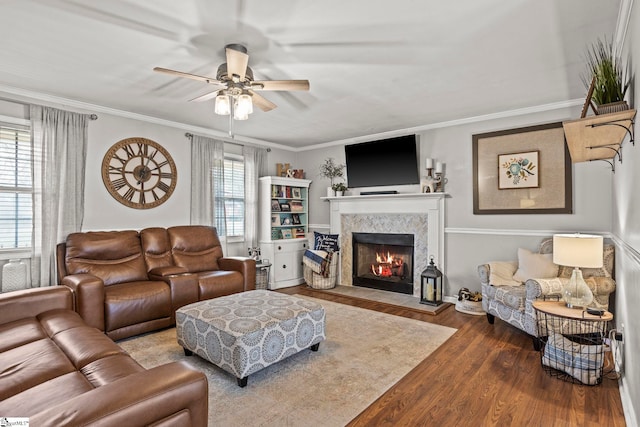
243,106
223,105
240,116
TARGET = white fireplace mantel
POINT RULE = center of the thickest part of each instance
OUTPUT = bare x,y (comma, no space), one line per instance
431,204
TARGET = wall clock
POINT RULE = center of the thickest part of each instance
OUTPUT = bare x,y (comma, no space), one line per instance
139,173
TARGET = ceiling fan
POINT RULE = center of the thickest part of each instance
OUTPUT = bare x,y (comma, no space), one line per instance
235,91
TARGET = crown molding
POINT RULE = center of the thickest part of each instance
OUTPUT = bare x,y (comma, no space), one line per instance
25,95
28,96
467,120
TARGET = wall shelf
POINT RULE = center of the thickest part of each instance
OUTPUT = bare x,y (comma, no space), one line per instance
599,137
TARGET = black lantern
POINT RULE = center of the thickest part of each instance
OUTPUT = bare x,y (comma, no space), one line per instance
431,285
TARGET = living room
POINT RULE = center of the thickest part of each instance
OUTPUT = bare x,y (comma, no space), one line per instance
604,201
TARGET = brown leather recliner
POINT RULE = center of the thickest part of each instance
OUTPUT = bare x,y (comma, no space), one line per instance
194,252
127,283
58,371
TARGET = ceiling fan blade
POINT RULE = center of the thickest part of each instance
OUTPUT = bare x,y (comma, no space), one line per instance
237,63
187,75
263,103
280,85
207,96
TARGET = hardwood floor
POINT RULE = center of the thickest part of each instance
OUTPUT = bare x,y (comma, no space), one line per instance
484,375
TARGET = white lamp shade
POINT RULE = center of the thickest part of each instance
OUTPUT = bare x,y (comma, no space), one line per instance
578,250
223,106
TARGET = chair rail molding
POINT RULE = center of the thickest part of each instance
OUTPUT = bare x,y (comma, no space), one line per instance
516,232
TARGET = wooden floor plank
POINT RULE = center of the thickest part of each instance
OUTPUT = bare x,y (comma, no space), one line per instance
484,375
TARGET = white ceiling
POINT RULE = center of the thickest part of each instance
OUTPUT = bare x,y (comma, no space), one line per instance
374,66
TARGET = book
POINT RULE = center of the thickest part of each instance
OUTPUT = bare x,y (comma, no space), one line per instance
286,234
296,206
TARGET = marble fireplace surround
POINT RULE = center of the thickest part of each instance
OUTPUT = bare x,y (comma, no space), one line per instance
420,214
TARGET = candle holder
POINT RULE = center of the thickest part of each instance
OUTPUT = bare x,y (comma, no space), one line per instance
439,180
432,184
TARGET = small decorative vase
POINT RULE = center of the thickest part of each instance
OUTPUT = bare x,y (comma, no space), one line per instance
339,193
330,192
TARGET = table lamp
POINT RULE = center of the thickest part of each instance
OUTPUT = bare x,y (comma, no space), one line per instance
577,250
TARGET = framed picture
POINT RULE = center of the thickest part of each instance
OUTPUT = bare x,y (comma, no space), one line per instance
296,193
522,171
275,206
286,233
285,207
296,219
275,220
518,170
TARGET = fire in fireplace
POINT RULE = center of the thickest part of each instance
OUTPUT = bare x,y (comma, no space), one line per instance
383,261
388,265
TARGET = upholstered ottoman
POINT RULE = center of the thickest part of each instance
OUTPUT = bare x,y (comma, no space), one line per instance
243,333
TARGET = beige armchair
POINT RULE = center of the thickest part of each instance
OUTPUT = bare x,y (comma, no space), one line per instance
511,300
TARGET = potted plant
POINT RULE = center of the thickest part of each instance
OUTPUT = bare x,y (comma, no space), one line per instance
339,188
331,170
604,71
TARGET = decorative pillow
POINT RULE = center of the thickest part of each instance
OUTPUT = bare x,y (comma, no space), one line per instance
535,266
501,273
325,242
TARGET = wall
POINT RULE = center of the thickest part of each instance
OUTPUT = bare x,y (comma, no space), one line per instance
475,239
102,211
626,232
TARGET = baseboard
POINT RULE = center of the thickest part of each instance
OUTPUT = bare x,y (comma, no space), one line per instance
451,299
627,404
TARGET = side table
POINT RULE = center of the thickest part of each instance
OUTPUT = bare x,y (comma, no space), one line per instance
262,275
571,341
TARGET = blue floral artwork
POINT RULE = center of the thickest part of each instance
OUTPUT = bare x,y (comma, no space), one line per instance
519,170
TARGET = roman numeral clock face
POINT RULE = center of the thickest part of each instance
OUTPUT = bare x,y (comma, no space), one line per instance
139,173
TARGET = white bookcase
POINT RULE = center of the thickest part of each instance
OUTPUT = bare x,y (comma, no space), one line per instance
284,224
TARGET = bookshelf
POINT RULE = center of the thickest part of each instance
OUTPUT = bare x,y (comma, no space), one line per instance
284,224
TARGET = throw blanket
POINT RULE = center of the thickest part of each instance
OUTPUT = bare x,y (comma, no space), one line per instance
581,361
318,261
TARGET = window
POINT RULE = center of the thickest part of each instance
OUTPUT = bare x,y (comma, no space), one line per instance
16,186
232,197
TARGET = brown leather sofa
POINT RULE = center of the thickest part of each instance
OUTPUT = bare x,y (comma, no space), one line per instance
58,371
127,283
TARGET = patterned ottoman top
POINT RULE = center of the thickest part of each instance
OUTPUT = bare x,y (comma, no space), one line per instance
247,312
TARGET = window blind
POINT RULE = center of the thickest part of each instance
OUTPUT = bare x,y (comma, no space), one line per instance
16,186
230,203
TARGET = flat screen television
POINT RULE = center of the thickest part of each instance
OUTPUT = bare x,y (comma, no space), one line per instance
391,161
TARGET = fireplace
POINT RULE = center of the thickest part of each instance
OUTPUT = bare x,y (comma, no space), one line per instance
383,261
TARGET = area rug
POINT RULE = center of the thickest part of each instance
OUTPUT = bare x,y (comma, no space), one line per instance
365,353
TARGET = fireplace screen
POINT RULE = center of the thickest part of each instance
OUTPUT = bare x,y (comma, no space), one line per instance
383,261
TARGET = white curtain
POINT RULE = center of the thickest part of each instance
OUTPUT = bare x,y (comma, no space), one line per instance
59,147
207,182
254,164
